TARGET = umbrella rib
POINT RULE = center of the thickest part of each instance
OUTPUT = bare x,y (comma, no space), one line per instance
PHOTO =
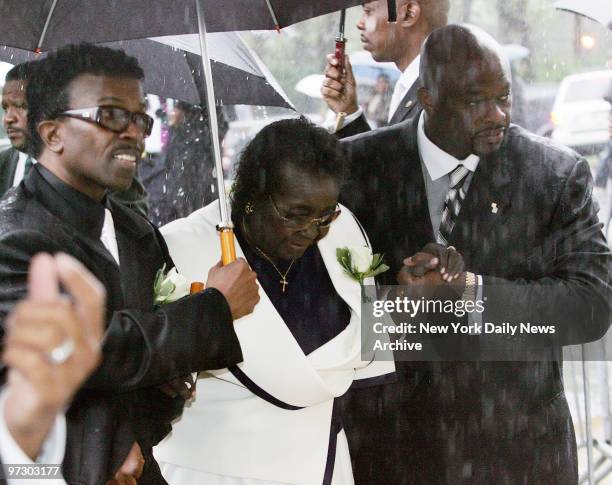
273,14
44,31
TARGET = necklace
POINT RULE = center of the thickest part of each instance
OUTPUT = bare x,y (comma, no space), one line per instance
283,281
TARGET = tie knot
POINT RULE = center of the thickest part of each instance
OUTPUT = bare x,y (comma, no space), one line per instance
457,176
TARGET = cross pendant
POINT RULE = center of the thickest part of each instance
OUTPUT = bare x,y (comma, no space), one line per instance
284,282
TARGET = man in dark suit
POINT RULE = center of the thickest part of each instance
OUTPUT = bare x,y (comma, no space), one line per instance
87,125
15,120
398,42
522,215
40,385
16,161
9,159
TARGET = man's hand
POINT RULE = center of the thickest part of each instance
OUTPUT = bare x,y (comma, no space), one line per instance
183,386
236,282
40,386
434,272
450,260
339,89
131,469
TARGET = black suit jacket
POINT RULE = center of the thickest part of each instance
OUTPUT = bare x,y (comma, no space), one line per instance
8,164
143,346
488,422
408,108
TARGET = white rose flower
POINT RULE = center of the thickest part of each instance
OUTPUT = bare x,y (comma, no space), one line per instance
181,286
359,263
169,287
361,257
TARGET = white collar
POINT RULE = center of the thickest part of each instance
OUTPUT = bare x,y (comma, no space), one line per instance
20,167
438,162
24,156
411,73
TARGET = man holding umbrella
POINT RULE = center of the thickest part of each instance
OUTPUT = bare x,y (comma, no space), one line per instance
87,125
399,42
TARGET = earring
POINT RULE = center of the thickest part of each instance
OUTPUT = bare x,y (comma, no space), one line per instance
249,209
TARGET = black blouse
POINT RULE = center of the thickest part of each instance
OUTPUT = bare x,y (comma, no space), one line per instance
310,306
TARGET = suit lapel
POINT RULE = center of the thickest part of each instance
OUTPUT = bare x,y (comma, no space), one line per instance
8,165
487,202
408,106
137,270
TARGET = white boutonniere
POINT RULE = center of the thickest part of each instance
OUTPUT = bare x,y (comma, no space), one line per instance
169,287
359,262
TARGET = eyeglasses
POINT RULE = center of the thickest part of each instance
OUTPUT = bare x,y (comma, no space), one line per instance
112,118
302,222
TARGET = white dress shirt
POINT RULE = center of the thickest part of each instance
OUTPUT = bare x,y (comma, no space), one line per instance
403,85
52,452
437,166
20,169
108,236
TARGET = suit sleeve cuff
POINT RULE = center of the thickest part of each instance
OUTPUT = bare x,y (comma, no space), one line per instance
228,352
52,451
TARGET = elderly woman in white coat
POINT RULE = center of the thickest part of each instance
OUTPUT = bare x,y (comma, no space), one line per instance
276,418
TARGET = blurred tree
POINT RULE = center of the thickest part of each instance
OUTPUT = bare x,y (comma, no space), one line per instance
297,51
466,10
514,27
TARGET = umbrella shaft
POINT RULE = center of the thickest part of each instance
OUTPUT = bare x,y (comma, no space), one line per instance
212,114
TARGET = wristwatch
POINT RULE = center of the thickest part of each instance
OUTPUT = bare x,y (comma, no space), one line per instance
469,293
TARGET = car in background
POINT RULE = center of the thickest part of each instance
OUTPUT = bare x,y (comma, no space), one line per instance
580,111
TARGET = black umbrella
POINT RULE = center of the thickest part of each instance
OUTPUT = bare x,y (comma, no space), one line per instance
47,24
173,69
598,10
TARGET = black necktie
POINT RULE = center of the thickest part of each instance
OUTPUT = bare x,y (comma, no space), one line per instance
29,163
452,204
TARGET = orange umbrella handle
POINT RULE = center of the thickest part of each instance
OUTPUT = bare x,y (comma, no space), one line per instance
196,287
228,248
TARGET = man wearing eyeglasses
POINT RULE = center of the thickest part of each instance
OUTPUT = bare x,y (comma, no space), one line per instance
16,161
87,125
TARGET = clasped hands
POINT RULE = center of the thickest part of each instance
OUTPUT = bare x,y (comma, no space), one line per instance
435,271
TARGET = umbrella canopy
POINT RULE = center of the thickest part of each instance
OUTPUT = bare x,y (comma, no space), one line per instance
598,10
49,24
173,69
239,75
